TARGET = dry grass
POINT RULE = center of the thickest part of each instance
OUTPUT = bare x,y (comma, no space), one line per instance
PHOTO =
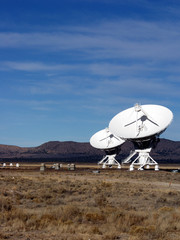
80,205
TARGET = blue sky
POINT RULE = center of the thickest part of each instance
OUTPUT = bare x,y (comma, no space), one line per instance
67,67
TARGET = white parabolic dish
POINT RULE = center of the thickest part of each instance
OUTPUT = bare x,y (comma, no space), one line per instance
141,121
104,139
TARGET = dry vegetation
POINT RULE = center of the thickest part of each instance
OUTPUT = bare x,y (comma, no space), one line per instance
81,205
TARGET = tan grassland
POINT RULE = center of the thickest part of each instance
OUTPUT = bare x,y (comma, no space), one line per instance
86,205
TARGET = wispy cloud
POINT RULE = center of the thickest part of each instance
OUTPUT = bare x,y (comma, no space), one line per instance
36,66
120,39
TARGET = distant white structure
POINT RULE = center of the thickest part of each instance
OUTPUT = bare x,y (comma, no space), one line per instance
56,166
71,167
17,165
42,167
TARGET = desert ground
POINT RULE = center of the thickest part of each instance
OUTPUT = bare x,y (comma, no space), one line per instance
86,204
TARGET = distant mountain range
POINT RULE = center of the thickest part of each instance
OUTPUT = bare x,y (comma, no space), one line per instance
166,151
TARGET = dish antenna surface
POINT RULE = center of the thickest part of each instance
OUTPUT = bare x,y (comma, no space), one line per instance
108,142
141,125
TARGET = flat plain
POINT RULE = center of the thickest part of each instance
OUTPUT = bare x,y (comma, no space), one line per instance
89,203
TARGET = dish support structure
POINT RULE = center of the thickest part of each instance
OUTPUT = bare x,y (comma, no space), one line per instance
142,160
109,159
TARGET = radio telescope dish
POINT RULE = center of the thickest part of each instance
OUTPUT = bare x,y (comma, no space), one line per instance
108,142
141,121
104,139
141,125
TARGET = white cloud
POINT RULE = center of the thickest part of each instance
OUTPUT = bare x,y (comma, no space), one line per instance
120,39
36,66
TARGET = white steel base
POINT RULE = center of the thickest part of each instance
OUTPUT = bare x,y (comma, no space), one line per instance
142,160
109,161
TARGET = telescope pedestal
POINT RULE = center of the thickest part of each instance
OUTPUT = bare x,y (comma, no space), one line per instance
143,160
109,161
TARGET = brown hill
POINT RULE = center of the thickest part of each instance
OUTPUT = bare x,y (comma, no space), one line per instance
165,151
